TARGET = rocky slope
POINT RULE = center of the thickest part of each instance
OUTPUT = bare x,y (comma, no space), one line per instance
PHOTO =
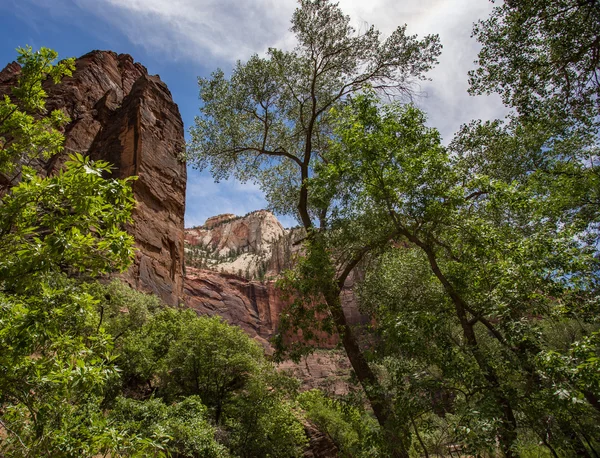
121,114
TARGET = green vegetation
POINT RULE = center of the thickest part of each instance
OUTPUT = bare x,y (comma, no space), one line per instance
177,362
55,233
354,431
477,262
480,259
88,369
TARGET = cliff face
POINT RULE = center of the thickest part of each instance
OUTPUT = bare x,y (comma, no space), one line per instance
121,114
244,246
232,265
252,305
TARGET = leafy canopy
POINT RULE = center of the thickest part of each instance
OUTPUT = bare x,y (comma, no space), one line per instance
54,232
270,120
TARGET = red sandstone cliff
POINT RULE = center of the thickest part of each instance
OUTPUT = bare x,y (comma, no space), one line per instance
121,114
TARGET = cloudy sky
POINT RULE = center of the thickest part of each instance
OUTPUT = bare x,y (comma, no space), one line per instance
183,39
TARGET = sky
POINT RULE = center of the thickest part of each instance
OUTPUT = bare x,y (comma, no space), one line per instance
181,40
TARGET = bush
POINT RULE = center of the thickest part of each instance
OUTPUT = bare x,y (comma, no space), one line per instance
181,428
353,430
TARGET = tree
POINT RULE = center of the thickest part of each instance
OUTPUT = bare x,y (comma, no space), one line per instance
271,122
23,136
354,432
543,58
495,256
55,233
210,359
262,420
177,355
181,428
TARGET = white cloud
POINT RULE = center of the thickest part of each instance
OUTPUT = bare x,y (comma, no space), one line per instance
219,32
200,30
445,98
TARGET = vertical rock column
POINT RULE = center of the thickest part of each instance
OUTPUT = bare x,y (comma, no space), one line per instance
124,116
145,138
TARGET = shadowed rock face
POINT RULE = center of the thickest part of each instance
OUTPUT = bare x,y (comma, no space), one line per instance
251,305
122,115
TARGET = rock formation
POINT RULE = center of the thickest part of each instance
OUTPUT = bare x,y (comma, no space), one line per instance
232,264
121,114
252,305
244,246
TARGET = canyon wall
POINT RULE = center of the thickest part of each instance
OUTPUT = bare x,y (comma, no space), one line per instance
232,264
121,114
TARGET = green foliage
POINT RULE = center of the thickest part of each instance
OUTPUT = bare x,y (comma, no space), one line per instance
54,369
55,232
122,309
211,359
271,122
262,423
306,312
22,135
355,433
70,222
271,118
543,58
182,428
36,67
72,350
494,251
143,350
175,355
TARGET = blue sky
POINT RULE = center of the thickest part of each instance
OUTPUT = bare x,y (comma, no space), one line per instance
183,39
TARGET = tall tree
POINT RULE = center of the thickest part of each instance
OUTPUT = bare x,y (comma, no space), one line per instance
271,122
498,259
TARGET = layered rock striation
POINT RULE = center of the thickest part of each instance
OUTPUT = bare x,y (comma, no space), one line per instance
245,246
121,114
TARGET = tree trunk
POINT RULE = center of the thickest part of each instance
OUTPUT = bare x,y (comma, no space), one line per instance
398,440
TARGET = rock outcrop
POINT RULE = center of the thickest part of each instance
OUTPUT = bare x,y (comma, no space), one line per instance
238,245
232,265
121,114
327,370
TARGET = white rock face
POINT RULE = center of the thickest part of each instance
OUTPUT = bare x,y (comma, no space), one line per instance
241,246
